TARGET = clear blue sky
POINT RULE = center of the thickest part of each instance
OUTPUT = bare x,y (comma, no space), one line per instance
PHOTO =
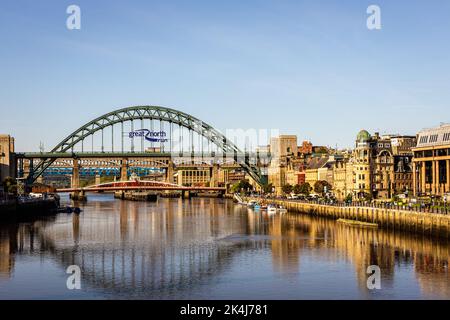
310,68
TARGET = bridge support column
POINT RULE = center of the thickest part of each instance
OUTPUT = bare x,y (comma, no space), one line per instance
215,176
97,179
21,168
186,194
170,172
76,195
124,170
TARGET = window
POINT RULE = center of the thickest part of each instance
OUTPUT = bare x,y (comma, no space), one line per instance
447,136
434,138
424,139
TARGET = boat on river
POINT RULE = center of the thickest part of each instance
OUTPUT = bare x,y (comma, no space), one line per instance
252,204
281,209
272,209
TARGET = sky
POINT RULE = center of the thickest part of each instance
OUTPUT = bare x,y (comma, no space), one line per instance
310,68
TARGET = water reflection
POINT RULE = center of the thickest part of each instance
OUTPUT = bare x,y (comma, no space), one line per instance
211,248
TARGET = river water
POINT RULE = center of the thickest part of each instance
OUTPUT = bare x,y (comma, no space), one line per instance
212,249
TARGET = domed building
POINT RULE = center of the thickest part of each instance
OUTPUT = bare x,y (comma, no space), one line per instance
363,136
382,165
362,165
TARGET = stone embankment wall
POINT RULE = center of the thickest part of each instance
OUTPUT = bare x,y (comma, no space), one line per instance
417,222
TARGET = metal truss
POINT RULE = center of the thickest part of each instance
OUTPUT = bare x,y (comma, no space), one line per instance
153,113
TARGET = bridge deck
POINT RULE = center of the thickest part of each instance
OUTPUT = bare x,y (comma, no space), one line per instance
69,155
131,188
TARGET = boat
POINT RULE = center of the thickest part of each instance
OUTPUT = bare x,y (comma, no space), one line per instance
271,209
252,204
354,223
281,209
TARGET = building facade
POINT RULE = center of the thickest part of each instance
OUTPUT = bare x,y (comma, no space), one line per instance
343,178
193,177
317,170
282,149
431,165
382,165
7,162
283,146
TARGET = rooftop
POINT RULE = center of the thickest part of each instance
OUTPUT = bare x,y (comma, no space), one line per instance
432,137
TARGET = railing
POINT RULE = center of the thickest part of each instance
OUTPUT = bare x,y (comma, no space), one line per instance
407,207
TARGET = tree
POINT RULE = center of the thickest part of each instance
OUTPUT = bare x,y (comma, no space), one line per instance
349,198
297,189
321,186
10,185
267,188
241,186
305,189
287,189
368,197
235,188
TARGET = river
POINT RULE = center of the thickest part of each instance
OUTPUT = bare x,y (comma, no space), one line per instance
212,249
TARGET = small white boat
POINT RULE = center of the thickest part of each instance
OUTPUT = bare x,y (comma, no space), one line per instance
271,209
282,209
252,204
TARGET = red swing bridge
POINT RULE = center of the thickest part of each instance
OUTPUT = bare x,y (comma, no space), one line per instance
138,185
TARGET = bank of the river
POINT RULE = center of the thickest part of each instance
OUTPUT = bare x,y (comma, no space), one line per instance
18,210
396,219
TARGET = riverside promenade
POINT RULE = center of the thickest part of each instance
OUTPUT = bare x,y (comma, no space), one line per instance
399,218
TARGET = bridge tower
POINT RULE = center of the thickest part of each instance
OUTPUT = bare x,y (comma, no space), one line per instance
75,183
124,170
214,175
170,172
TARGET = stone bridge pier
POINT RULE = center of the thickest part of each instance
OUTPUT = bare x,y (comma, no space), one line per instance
170,172
75,182
124,170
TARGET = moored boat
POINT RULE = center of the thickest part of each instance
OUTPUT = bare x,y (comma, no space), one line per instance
281,209
252,204
271,209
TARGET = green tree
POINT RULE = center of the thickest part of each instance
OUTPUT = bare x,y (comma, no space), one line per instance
368,197
10,185
349,198
267,188
241,186
321,186
297,189
305,189
287,189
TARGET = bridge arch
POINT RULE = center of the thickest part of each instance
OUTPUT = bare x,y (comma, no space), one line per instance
169,115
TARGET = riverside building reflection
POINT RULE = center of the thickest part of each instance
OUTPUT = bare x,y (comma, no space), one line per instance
212,248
